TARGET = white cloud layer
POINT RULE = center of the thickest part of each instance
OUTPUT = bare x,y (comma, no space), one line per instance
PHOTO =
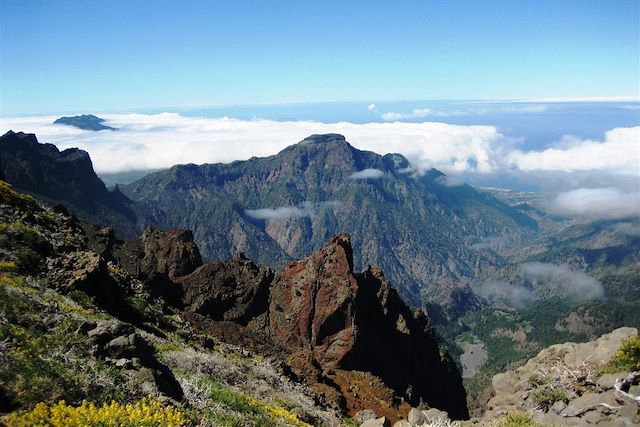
161,140
597,203
619,152
367,173
157,141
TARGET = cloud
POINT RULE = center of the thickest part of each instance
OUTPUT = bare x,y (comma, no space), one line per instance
367,173
619,153
277,213
575,284
628,229
514,295
390,116
451,180
597,203
305,209
372,107
157,141
421,113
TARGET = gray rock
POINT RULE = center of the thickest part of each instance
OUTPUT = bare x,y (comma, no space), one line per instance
364,415
592,417
549,419
122,346
558,406
433,415
606,381
416,417
106,330
144,376
123,363
376,422
628,411
505,382
402,423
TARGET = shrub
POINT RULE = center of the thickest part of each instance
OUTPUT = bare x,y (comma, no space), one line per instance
628,357
545,397
516,420
146,412
8,266
536,380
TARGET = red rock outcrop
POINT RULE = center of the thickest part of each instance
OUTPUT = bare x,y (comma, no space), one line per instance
356,321
317,315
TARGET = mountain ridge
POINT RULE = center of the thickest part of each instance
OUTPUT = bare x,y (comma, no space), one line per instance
293,201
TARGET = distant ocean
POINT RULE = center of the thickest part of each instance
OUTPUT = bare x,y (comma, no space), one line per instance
538,124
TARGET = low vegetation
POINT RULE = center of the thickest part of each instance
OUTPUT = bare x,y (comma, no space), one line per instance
146,412
628,357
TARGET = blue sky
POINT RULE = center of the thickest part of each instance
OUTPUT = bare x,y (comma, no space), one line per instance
59,56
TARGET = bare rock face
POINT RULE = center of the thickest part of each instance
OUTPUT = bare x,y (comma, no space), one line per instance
235,291
158,258
356,321
317,315
563,385
312,304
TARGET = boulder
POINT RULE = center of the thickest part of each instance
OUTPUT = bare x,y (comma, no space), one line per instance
434,415
416,416
158,258
376,422
364,415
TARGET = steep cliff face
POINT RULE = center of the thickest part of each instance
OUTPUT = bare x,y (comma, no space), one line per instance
356,321
235,291
330,325
158,258
64,177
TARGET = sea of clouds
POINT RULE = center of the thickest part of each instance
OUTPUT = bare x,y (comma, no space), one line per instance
583,177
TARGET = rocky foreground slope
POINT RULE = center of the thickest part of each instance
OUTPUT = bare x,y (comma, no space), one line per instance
85,316
566,384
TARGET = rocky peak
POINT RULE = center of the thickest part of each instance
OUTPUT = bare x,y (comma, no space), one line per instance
356,321
84,122
60,176
328,138
158,258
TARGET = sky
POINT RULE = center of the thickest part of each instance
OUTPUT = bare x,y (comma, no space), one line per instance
61,56
541,96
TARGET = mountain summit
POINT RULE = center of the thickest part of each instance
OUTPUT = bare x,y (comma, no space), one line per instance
420,229
327,138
